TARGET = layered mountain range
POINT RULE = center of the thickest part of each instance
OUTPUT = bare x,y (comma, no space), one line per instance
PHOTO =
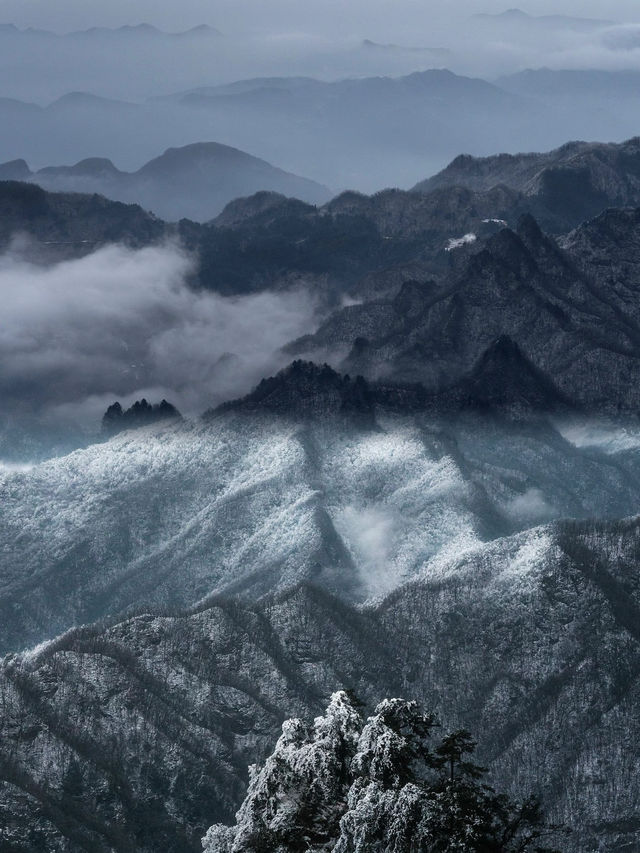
433,277
308,482
363,132
567,185
393,521
194,182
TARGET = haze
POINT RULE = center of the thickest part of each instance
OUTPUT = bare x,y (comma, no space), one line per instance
330,17
350,95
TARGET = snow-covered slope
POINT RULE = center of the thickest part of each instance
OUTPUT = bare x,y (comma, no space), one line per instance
136,736
165,516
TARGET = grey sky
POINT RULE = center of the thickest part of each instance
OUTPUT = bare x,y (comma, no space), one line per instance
324,16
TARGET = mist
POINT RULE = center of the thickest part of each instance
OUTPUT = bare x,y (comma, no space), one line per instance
77,47
327,16
122,324
355,110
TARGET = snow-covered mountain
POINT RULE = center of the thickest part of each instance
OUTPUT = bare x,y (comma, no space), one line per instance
137,734
431,539
252,502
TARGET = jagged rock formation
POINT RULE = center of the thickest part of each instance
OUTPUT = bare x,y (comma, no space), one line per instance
307,390
140,414
562,312
531,642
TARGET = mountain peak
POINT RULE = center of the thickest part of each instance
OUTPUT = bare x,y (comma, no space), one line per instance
141,413
15,170
514,13
308,390
201,30
240,210
504,378
89,167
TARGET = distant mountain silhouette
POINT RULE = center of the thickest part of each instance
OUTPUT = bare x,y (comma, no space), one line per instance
519,18
139,30
195,181
436,53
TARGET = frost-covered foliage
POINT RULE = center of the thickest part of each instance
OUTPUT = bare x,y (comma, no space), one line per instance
160,518
296,800
380,787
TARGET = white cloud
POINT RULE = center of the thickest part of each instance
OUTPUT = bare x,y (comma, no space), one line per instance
122,324
530,507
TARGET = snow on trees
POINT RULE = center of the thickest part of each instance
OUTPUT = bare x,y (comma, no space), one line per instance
345,786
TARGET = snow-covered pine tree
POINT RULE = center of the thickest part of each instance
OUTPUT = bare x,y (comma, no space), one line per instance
295,801
343,786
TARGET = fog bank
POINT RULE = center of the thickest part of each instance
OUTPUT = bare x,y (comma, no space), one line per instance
122,324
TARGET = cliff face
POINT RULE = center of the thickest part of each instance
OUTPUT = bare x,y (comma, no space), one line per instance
138,734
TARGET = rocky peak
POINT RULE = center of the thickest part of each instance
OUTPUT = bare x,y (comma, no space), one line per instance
307,390
504,378
141,413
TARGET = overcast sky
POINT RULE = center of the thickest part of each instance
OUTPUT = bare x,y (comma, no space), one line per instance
326,16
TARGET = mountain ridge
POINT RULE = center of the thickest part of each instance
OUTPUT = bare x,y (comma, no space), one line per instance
569,184
208,175
498,619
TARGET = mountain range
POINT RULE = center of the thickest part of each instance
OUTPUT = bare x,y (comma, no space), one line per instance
356,244
444,511
357,486
142,29
517,18
195,182
364,133
432,277
135,734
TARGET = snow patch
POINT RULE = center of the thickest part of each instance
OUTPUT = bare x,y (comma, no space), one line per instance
32,653
458,242
452,553
530,556
15,467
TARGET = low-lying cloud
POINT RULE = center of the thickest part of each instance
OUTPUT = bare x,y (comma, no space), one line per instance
121,324
530,507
